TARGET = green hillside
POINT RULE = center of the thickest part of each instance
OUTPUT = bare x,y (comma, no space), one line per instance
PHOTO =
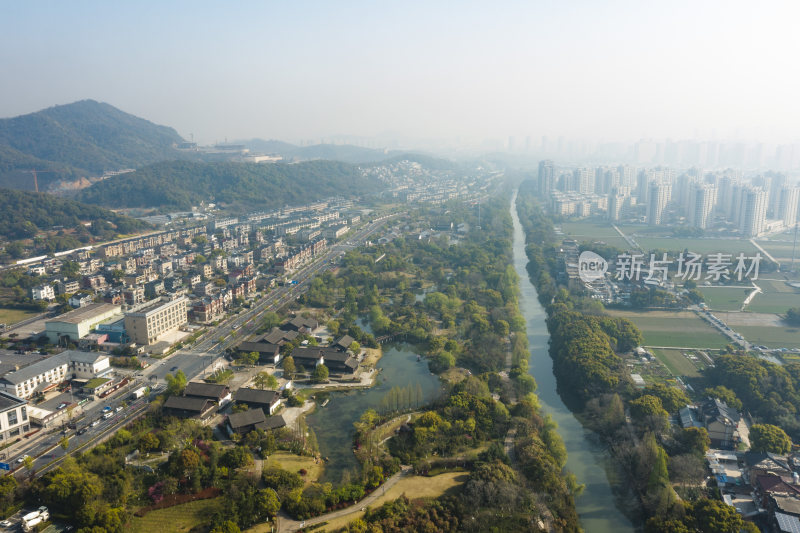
25,214
79,139
181,184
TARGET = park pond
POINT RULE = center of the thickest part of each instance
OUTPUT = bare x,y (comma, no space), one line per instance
333,424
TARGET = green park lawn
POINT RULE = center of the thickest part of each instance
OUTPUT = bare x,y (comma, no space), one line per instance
12,316
180,518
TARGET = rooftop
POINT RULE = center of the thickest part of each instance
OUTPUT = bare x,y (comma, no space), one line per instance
9,401
156,306
188,403
206,390
265,397
45,365
246,418
85,313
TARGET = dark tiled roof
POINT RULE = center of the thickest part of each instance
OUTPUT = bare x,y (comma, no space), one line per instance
256,396
276,336
307,353
716,408
345,342
206,390
185,403
260,347
246,418
301,322
272,422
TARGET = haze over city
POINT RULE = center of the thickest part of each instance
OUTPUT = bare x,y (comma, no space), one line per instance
414,72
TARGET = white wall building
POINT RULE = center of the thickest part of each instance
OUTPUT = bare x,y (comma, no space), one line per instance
13,416
43,292
48,373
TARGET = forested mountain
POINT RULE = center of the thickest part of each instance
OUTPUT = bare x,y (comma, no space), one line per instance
24,214
84,138
181,184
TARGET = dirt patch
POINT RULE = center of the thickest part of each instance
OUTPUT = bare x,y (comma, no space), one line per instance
371,357
750,319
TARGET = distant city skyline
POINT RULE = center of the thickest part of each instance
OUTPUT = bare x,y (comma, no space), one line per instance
435,74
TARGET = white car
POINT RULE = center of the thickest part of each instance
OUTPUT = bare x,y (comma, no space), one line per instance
22,459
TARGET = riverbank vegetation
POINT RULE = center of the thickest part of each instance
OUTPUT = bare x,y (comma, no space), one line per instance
662,467
455,299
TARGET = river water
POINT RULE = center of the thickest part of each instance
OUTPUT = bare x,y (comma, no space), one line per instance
333,424
586,458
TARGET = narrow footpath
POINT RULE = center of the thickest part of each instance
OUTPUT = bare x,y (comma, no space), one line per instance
288,525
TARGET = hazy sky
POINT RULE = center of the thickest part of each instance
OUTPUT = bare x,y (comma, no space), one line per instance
470,70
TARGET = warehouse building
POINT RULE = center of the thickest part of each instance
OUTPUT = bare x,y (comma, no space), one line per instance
70,327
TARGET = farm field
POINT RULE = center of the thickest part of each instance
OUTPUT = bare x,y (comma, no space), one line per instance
777,297
700,246
771,337
593,231
725,298
677,363
780,250
681,329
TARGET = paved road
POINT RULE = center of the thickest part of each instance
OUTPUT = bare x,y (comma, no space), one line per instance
287,525
48,453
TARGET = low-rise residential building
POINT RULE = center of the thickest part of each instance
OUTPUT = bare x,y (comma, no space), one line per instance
81,299
207,309
43,292
133,295
336,232
146,325
67,287
725,426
